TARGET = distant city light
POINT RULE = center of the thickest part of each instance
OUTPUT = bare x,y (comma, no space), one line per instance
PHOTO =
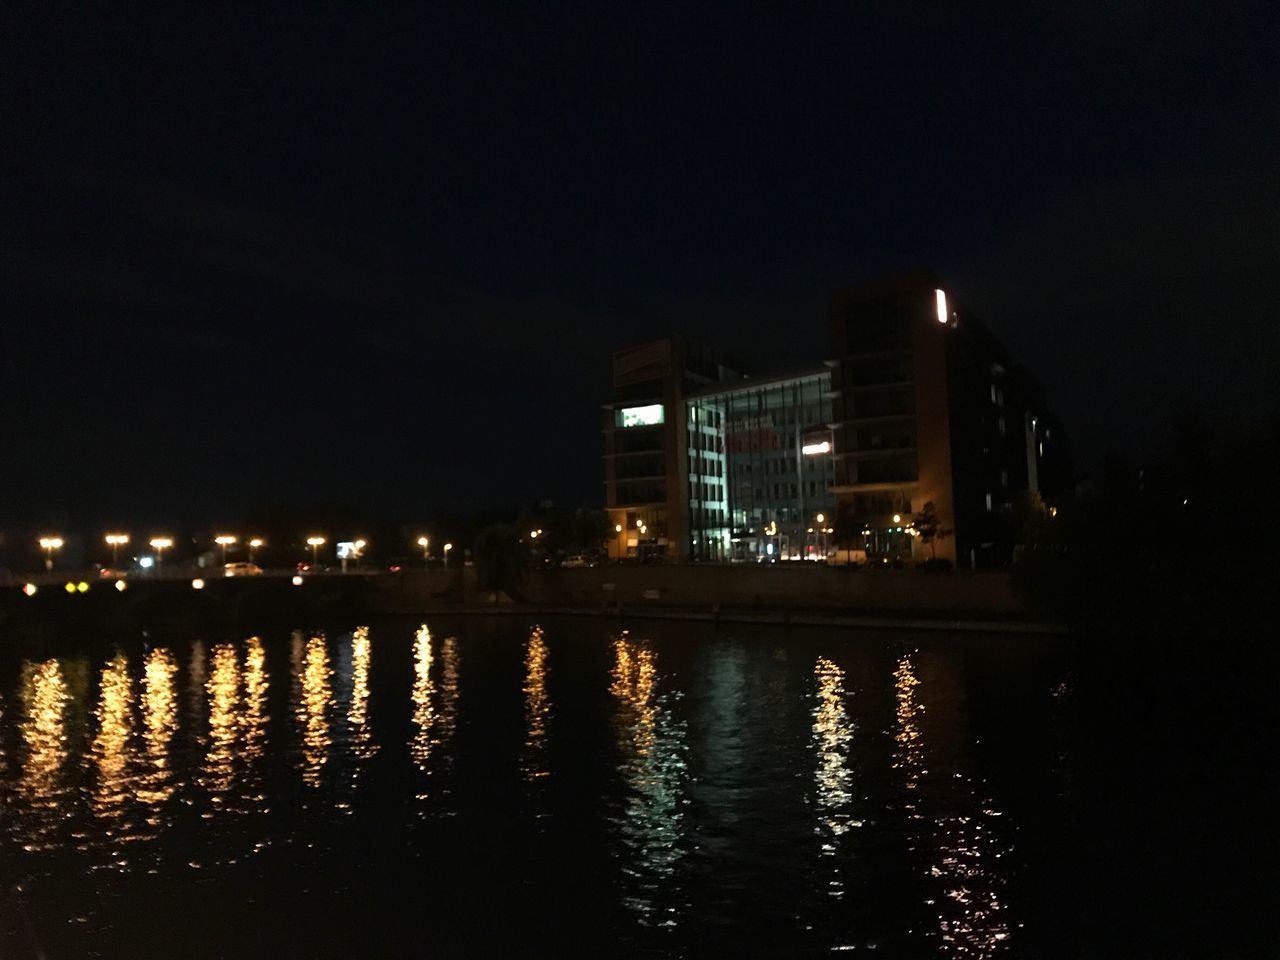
297,581
813,449
897,518
121,586
82,587
617,528
821,518
29,589
146,563
70,587
942,305
197,584
224,540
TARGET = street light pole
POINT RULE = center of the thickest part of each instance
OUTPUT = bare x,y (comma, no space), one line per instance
254,544
160,545
224,540
116,540
424,543
447,548
314,543
49,545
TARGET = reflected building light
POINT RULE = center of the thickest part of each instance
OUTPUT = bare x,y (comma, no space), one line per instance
423,697
160,722
44,740
112,745
223,689
537,707
312,709
832,740
652,745
362,745
965,852
256,686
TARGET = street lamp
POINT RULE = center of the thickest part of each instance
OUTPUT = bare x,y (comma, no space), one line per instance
116,540
254,544
160,545
49,545
447,548
315,543
424,543
617,528
224,540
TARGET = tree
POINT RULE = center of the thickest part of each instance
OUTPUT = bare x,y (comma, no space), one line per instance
501,560
929,528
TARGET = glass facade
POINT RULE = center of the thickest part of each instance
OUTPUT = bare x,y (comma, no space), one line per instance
754,494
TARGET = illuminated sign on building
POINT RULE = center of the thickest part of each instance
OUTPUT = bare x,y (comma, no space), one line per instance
813,449
942,305
640,416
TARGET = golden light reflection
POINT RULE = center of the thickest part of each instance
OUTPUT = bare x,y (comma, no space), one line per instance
160,722
832,738
255,717
537,707
223,690
435,700
423,698
956,826
312,710
652,747
44,738
112,745
362,745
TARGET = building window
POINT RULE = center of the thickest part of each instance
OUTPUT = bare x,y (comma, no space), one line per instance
988,503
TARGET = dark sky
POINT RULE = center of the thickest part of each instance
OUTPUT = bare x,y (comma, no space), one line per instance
382,256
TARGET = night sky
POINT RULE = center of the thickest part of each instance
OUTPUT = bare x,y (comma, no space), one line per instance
382,257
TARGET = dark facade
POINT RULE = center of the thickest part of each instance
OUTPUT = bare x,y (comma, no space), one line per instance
931,409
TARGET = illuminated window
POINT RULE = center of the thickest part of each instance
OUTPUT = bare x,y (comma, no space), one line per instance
988,503
640,416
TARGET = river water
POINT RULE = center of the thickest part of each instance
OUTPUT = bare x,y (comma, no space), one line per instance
499,786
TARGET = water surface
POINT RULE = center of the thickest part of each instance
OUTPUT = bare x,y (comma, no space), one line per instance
399,788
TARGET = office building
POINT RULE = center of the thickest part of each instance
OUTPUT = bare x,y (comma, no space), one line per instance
917,404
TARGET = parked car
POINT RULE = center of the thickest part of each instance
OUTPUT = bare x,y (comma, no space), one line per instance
577,560
241,568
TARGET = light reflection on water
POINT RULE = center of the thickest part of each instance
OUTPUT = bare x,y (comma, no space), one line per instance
111,763
45,749
435,705
311,710
954,828
651,743
832,738
537,707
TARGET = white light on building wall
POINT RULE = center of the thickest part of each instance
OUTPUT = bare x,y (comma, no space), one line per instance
941,297
647,416
814,449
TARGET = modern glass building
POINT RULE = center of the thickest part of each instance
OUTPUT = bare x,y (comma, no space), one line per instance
760,468
919,412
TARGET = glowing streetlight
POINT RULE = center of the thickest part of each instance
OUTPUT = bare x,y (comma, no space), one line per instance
447,548
617,528
315,543
160,545
49,545
821,518
533,534
116,541
897,518
424,543
224,540
254,544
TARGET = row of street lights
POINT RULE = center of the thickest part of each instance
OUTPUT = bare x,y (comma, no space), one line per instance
52,544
